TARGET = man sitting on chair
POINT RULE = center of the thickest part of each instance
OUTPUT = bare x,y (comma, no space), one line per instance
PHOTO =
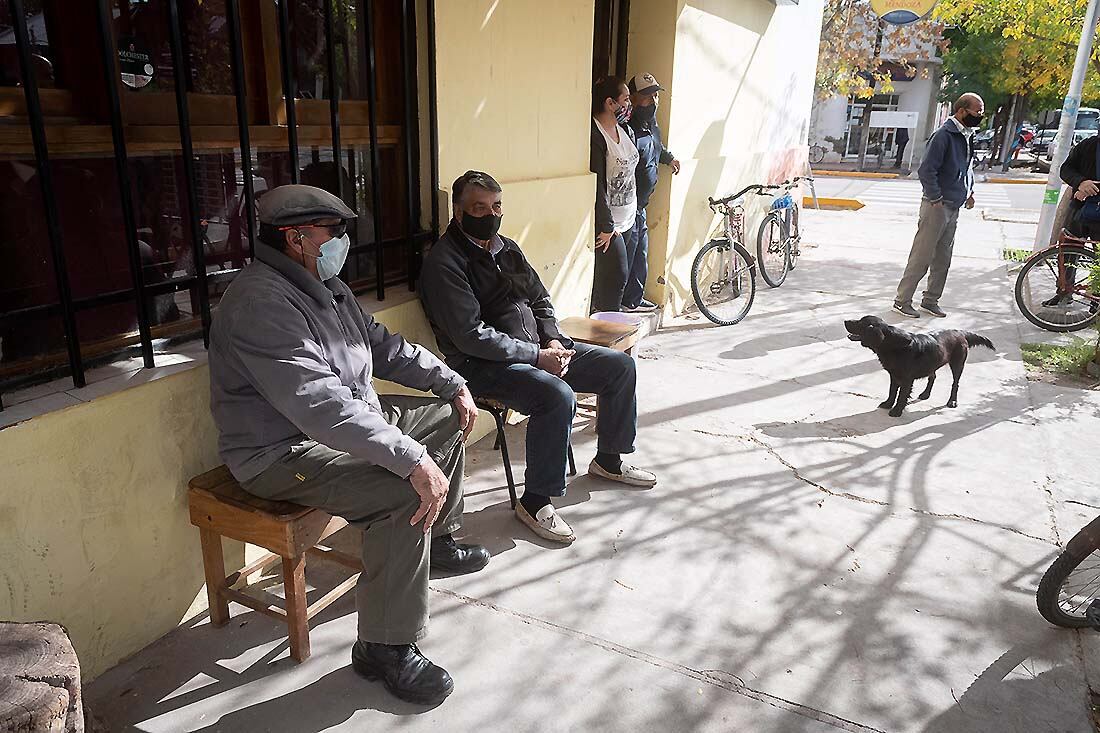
292,357
495,326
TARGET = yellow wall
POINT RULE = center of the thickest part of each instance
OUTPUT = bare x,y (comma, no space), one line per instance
739,76
514,80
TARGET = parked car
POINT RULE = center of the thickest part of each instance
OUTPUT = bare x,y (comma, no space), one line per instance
1078,136
983,139
1043,140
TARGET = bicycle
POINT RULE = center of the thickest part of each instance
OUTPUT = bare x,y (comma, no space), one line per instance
1053,290
779,236
817,154
723,275
1062,598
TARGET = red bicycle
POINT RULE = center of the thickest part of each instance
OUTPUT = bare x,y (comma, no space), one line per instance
1056,288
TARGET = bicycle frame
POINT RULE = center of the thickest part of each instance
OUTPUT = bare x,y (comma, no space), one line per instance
1064,287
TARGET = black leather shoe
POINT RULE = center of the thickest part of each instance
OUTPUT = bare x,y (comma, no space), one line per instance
405,672
449,556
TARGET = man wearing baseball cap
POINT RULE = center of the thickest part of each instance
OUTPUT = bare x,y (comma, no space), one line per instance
644,96
292,356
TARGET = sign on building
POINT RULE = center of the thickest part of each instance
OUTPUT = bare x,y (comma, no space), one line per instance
902,12
894,119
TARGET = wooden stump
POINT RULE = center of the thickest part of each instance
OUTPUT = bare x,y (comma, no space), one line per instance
39,680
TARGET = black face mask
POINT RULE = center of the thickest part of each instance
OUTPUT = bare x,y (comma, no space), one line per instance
972,120
644,115
481,228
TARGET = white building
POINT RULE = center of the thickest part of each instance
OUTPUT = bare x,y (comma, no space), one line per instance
835,123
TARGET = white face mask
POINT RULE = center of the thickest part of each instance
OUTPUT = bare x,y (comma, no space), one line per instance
334,253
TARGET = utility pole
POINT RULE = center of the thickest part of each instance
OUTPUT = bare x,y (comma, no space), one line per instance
1010,134
1064,141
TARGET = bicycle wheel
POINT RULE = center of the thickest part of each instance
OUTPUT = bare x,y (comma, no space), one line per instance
1054,302
1072,581
773,250
795,234
817,154
723,281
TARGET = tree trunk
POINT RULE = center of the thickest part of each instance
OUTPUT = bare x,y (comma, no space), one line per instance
39,680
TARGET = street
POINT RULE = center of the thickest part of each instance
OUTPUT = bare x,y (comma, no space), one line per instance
806,563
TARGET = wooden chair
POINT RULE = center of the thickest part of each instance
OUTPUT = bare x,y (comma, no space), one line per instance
221,508
499,412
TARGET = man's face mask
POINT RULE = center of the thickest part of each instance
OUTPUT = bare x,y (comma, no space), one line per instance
644,114
972,120
334,252
481,228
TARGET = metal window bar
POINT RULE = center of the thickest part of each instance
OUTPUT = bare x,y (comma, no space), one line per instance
45,181
433,119
375,159
333,96
175,42
233,19
290,88
125,192
407,72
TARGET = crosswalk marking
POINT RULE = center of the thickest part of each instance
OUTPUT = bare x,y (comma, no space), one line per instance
909,192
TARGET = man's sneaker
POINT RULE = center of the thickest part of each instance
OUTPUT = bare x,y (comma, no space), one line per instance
934,310
547,524
1058,300
906,310
628,475
644,307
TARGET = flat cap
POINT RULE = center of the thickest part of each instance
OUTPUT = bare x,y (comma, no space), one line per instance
297,204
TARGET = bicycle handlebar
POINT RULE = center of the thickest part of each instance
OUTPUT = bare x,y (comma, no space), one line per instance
755,187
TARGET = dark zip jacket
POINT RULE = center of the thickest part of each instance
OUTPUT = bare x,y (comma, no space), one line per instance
486,307
1080,166
651,151
597,163
947,172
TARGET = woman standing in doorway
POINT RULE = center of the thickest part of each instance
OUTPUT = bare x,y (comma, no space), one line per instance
613,160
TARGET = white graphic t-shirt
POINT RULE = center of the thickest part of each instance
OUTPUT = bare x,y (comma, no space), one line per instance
622,192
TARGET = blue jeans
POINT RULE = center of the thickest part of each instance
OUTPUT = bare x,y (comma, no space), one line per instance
551,403
637,262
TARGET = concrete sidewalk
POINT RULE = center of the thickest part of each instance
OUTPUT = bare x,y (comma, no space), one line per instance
806,563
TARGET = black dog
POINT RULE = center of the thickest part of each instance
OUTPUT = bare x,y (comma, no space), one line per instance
907,357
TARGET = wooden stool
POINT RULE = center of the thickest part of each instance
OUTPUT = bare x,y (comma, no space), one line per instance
221,508
498,410
611,335
618,336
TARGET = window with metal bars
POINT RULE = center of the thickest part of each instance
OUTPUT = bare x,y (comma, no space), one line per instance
137,135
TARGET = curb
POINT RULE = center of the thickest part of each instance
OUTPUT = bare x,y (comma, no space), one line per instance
855,174
831,204
1017,181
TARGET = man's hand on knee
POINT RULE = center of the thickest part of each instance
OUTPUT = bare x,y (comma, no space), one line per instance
431,485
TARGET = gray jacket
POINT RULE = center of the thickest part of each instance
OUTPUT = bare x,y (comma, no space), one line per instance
292,358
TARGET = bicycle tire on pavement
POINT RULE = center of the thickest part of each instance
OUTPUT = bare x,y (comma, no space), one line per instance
1048,594
1083,253
773,279
740,252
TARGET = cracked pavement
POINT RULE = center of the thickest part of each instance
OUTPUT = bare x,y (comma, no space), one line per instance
806,563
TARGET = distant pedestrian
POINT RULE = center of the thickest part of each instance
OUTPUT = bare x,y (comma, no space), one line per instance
947,178
644,97
901,137
614,156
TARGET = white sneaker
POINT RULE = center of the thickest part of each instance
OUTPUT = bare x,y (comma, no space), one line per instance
547,524
630,475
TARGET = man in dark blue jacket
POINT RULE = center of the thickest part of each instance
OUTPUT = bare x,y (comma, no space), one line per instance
644,91
947,177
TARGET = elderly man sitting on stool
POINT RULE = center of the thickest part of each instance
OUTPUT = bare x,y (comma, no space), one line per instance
495,326
291,361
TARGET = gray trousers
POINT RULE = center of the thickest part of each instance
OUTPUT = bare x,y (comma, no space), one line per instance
931,254
392,593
